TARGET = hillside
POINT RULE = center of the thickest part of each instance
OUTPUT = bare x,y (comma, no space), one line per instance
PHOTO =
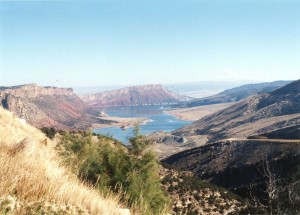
217,160
48,106
191,195
251,168
32,180
254,149
256,114
133,96
234,94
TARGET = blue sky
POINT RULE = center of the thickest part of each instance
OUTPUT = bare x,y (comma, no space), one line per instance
129,42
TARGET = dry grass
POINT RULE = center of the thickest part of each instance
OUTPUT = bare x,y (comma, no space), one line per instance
31,175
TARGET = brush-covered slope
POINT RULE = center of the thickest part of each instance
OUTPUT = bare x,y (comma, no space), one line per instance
191,195
229,163
133,96
234,94
254,169
32,180
257,114
48,106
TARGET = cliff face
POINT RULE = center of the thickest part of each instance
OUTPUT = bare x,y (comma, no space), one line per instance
33,91
133,96
47,106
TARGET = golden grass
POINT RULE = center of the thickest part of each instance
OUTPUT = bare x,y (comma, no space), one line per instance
30,172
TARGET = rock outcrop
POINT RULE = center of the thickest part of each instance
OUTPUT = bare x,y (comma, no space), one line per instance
48,106
33,91
133,96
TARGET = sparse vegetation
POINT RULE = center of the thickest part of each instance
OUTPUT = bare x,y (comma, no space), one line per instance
193,196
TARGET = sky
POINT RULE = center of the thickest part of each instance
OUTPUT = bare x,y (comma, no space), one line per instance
131,42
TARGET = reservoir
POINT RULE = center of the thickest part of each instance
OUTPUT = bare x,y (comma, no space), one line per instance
159,120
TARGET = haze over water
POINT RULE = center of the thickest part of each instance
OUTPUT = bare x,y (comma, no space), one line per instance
159,121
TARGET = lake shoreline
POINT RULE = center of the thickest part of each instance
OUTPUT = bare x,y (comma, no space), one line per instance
195,113
121,122
150,119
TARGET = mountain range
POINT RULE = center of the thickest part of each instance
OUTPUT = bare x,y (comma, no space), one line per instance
256,114
61,108
234,94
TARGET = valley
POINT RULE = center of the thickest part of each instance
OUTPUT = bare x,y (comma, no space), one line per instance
127,107
225,151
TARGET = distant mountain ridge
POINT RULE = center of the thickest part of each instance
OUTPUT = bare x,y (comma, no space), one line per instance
259,113
134,96
48,106
235,94
33,90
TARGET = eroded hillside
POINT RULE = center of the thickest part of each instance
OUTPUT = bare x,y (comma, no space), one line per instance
259,113
48,106
263,171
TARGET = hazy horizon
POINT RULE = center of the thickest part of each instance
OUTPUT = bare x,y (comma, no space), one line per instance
122,43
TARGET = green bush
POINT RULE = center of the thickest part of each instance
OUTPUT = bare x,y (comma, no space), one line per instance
50,132
108,165
137,143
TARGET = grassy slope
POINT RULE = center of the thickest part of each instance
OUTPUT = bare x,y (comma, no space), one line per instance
32,179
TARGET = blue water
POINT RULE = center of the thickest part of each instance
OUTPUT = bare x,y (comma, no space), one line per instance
159,121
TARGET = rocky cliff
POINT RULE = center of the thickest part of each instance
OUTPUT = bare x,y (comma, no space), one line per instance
33,91
48,106
133,96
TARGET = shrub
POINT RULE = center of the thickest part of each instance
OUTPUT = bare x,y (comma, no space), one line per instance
50,132
107,165
138,143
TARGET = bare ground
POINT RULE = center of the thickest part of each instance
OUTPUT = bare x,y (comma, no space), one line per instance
121,121
195,113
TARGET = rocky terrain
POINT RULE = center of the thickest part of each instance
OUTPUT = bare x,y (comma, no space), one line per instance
251,168
256,114
133,96
226,158
48,106
234,94
166,144
193,196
